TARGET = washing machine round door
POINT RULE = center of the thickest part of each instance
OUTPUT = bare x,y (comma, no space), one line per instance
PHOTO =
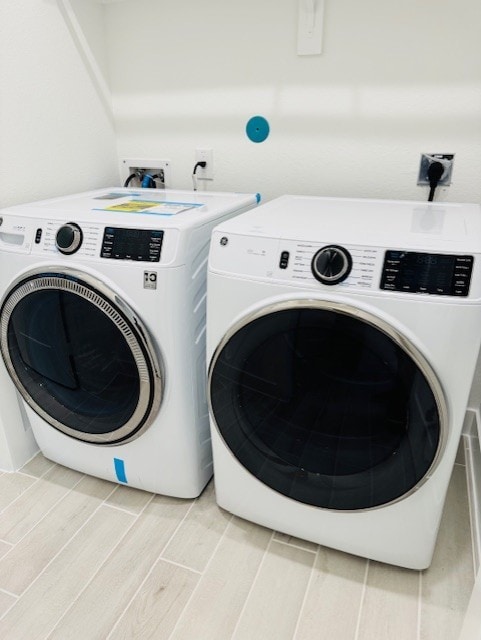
80,356
328,405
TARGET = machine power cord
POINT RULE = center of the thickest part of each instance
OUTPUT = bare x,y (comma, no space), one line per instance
435,171
202,165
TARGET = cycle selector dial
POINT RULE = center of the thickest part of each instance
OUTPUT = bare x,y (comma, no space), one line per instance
331,264
69,238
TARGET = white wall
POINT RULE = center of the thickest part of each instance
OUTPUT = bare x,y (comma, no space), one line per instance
56,136
395,79
91,17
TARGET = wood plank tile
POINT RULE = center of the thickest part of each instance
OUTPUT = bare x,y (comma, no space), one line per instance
5,548
334,597
105,599
447,584
391,603
297,542
12,485
41,606
128,498
37,466
197,538
274,603
217,602
21,516
6,601
30,556
153,613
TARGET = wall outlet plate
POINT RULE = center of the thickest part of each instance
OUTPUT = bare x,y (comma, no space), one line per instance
205,155
145,165
446,159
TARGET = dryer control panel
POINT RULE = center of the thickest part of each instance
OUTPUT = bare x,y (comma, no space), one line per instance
352,268
415,272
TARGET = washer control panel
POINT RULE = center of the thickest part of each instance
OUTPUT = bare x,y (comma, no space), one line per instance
435,273
142,245
68,238
90,241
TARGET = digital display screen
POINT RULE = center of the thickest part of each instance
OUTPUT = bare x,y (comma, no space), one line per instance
433,273
142,245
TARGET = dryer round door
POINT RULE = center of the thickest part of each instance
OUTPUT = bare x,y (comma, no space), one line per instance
80,356
328,405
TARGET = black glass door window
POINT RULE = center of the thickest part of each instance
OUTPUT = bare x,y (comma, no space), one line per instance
72,362
325,408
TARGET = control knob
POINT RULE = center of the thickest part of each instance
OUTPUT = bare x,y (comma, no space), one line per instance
69,238
331,264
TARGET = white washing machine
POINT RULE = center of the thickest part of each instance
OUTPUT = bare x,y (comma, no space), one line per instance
17,443
342,337
102,324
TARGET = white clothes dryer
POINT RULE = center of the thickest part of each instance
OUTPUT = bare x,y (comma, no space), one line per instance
102,322
342,337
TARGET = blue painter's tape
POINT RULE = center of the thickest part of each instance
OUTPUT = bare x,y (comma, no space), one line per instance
257,129
258,197
119,466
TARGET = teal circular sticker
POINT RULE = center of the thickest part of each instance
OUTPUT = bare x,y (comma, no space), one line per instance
257,129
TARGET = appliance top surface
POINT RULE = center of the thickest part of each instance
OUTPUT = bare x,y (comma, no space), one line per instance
384,223
142,208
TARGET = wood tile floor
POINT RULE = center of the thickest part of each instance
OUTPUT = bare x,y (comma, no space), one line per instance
81,558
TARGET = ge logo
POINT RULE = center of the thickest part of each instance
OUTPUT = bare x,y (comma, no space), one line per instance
150,280
224,241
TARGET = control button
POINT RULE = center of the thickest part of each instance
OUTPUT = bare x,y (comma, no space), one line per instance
69,238
38,236
284,261
331,264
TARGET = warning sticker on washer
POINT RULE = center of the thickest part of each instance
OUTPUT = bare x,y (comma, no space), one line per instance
153,207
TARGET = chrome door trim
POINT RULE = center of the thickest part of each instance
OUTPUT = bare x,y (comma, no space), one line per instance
378,323
74,281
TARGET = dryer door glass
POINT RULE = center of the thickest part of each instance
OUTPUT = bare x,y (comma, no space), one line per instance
326,408
78,359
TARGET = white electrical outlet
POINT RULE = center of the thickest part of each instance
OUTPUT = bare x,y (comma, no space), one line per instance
207,172
128,166
446,159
